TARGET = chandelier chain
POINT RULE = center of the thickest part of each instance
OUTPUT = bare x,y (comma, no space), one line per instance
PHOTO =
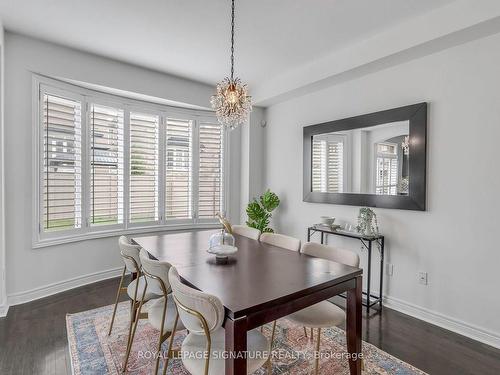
232,40
231,101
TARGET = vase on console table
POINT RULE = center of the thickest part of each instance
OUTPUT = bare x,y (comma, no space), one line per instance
367,222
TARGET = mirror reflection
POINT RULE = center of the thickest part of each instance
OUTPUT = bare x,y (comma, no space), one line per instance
371,160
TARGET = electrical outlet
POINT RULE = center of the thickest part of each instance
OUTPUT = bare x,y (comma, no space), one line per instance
389,269
422,278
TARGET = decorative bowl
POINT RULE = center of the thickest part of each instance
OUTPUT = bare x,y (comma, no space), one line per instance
222,251
327,220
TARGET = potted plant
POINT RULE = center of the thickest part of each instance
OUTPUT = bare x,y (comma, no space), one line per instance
259,211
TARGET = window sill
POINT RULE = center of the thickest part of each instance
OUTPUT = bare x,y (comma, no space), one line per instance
41,243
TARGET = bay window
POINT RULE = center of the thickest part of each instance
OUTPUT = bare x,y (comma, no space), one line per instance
107,165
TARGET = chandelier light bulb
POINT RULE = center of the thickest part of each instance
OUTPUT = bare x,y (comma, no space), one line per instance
232,95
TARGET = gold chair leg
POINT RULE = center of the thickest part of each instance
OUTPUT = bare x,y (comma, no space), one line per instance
316,360
170,343
133,316
131,338
160,340
116,300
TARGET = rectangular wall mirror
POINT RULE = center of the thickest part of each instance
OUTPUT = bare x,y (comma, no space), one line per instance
376,160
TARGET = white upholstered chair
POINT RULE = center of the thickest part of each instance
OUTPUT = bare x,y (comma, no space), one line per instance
135,290
323,314
245,231
162,314
285,242
130,255
280,240
203,315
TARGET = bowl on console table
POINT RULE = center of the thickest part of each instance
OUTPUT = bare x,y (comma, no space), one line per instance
332,227
327,220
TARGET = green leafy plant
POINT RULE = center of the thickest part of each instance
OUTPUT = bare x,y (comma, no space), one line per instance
259,211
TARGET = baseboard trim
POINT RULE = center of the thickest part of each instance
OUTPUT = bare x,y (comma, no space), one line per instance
4,309
61,286
440,320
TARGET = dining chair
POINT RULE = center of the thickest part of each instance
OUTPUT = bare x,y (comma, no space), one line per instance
130,256
285,242
203,316
137,287
246,231
162,314
280,240
323,314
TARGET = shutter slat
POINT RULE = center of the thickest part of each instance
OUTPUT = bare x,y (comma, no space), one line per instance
106,165
178,167
62,163
144,135
327,166
210,170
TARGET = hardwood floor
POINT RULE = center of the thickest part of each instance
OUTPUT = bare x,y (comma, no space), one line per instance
33,337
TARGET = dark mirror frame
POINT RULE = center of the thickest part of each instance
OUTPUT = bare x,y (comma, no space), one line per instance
416,114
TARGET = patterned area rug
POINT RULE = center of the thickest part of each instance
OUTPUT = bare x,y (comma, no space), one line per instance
93,352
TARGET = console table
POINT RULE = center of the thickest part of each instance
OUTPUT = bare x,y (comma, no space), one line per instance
367,241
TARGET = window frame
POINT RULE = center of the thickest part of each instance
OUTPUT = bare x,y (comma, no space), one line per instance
39,160
225,167
346,140
42,85
86,181
385,155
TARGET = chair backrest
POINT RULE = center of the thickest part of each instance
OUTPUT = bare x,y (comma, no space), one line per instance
127,249
245,231
209,306
347,257
280,240
153,267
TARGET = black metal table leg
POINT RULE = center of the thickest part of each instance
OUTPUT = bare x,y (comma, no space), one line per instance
369,276
382,244
308,234
322,237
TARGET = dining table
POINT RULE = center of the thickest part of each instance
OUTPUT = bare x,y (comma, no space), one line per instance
259,284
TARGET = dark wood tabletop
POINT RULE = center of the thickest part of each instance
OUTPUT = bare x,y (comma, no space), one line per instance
256,275
259,284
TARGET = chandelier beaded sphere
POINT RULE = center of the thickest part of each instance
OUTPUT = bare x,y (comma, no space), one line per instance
231,102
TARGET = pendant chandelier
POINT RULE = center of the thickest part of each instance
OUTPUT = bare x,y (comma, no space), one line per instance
231,102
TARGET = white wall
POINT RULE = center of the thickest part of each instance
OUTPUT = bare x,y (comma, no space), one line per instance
3,291
80,262
253,143
455,240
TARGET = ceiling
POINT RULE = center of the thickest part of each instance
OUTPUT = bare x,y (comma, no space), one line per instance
190,38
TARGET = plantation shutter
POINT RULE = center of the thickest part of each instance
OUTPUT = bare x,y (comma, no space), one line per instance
387,175
144,132
328,166
62,173
106,165
211,173
387,169
318,166
335,177
178,169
